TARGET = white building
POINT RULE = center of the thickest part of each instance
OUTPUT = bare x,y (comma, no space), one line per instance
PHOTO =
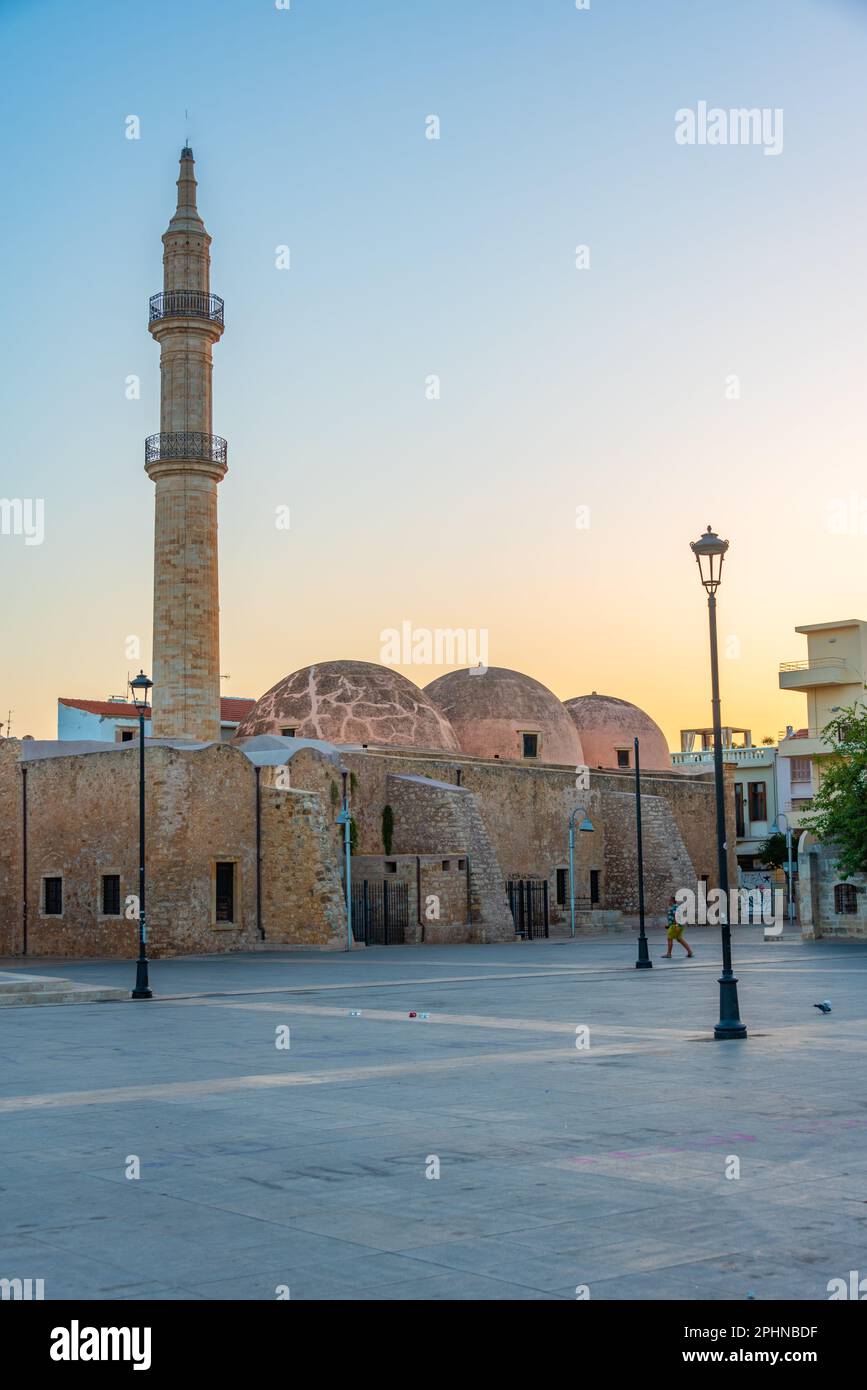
116,720
832,678
757,799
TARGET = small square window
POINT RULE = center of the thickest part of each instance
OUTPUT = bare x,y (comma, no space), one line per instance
288,733
126,735
447,864
111,895
622,757
462,865
530,744
53,897
844,898
390,866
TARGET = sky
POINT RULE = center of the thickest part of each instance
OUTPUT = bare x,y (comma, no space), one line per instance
704,364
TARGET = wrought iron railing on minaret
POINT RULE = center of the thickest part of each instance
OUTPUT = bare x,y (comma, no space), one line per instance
185,444
182,304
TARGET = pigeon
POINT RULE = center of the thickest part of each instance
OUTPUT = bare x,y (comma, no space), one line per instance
825,1006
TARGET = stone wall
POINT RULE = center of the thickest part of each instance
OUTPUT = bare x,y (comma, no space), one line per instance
10,848
509,820
302,881
524,814
440,818
436,896
667,865
200,809
817,879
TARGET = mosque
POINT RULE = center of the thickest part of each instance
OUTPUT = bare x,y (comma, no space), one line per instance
454,801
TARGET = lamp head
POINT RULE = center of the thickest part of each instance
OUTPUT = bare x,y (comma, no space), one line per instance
709,551
140,685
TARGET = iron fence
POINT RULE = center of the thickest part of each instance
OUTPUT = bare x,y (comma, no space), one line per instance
528,900
380,913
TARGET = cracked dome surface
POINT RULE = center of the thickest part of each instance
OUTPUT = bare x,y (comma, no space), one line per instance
351,702
490,711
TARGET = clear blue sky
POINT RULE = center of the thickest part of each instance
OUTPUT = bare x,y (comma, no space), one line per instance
410,257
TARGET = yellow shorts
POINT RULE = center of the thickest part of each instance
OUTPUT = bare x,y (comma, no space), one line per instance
675,932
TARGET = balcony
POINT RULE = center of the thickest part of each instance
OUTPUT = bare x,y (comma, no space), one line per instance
186,304
185,445
818,671
753,756
804,743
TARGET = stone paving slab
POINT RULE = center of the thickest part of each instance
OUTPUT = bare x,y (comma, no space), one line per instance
558,1167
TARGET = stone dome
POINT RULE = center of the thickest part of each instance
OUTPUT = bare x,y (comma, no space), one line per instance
351,702
492,710
606,724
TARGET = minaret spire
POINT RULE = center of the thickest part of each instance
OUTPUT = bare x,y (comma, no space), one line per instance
187,211
186,461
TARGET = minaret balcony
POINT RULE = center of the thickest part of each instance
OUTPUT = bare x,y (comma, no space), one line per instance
186,304
187,444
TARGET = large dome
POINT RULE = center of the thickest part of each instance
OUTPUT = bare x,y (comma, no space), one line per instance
497,713
607,726
351,702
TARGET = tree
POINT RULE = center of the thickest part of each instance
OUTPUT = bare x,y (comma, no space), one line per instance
772,851
839,812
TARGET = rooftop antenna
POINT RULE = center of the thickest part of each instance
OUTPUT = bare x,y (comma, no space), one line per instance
9,725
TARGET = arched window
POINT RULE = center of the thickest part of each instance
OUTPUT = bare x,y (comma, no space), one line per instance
844,897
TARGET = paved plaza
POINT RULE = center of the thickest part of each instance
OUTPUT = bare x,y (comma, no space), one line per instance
312,1168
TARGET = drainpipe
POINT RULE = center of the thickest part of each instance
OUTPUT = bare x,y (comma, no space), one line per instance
418,894
24,857
259,927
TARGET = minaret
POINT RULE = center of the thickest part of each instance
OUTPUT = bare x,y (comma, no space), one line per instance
186,462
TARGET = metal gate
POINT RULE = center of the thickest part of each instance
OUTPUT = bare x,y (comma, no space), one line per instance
380,913
528,899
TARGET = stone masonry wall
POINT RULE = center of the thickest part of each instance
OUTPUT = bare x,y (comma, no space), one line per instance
817,878
200,809
302,884
440,818
667,865
441,915
524,811
10,848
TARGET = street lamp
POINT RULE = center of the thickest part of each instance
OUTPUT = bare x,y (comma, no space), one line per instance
586,825
140,685
790,901
644,962
709,552
345,819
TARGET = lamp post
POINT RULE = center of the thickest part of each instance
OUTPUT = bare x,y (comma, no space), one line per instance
345,819
140,685
709,552
790,901
644,962
586,825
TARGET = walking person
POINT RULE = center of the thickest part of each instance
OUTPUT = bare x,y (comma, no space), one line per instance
675,932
